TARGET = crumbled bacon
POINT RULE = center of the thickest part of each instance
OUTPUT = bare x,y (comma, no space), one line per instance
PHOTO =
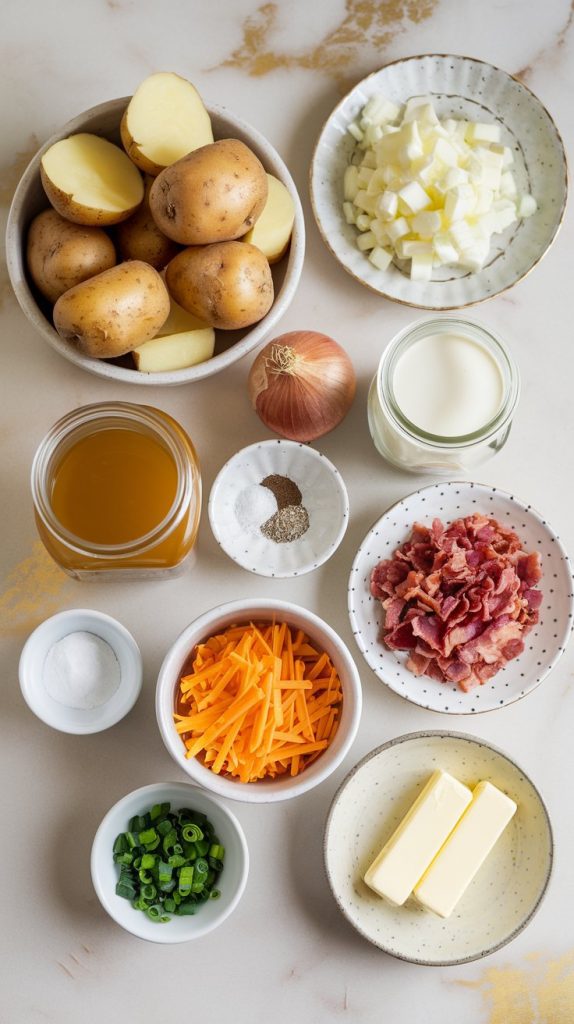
460,599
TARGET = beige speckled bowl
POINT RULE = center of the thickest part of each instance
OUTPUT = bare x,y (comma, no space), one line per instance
466,89
230,346
504,895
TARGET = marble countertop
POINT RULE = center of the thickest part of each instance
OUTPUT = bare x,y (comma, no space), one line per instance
286,953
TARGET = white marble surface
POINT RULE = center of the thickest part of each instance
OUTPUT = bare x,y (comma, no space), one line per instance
286,954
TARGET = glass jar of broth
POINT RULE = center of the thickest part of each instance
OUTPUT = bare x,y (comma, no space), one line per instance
117,493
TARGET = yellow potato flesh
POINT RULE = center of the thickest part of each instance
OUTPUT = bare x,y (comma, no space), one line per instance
94,173
272,230
179,320
166,119
175,351
184,340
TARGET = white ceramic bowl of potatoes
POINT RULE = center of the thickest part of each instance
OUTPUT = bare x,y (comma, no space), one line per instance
91,268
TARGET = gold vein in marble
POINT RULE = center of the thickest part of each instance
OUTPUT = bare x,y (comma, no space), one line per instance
11,172
540,993
552,51
366,22
33,590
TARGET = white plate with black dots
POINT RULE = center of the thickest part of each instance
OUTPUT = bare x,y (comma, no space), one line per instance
544,644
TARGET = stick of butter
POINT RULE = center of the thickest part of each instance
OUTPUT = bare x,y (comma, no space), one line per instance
418,838
465,851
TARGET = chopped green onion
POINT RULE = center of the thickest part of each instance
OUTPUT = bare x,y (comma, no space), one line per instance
123,858
191,833
148,837
184,877
159,812
165,871
176,860
121,844
138,823
187,908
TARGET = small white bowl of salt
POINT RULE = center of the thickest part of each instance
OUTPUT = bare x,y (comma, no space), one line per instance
80,671
279,508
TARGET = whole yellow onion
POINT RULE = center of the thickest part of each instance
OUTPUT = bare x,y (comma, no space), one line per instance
302,385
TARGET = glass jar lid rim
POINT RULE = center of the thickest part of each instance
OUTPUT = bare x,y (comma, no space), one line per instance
477,332
158,422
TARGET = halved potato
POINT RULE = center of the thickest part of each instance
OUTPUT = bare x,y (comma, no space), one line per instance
90,181
272,230
175,352
164,120
183,341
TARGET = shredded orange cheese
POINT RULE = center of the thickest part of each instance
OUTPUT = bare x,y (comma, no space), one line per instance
260,701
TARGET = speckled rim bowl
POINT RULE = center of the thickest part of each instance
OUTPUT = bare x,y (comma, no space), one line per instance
76,720
231,882
509,887
324,495
461,87
544,644
284,787
29,199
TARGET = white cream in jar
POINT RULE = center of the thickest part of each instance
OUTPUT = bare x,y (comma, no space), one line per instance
443,396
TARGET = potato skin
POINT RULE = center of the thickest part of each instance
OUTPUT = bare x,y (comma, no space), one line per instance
68,208
214,194
60,255
139,238
227,285
132,149
113,313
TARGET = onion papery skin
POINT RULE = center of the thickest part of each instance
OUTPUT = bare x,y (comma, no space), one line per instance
302,385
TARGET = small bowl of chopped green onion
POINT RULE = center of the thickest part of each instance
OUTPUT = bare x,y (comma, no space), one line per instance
169,863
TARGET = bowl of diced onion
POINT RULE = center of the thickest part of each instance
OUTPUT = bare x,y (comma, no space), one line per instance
439,181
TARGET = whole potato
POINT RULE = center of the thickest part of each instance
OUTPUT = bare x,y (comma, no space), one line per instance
213,194
227,284
139,238
113,313
60,254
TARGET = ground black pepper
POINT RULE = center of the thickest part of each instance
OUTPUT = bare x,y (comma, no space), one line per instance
288,524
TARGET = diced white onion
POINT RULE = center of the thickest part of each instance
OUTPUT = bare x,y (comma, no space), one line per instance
429,190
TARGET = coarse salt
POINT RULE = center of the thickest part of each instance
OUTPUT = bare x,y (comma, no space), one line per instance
254,506
81,671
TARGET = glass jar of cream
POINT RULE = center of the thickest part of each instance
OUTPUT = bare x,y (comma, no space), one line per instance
443,397
117,493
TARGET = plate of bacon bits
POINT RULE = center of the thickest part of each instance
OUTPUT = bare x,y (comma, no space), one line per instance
461,598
